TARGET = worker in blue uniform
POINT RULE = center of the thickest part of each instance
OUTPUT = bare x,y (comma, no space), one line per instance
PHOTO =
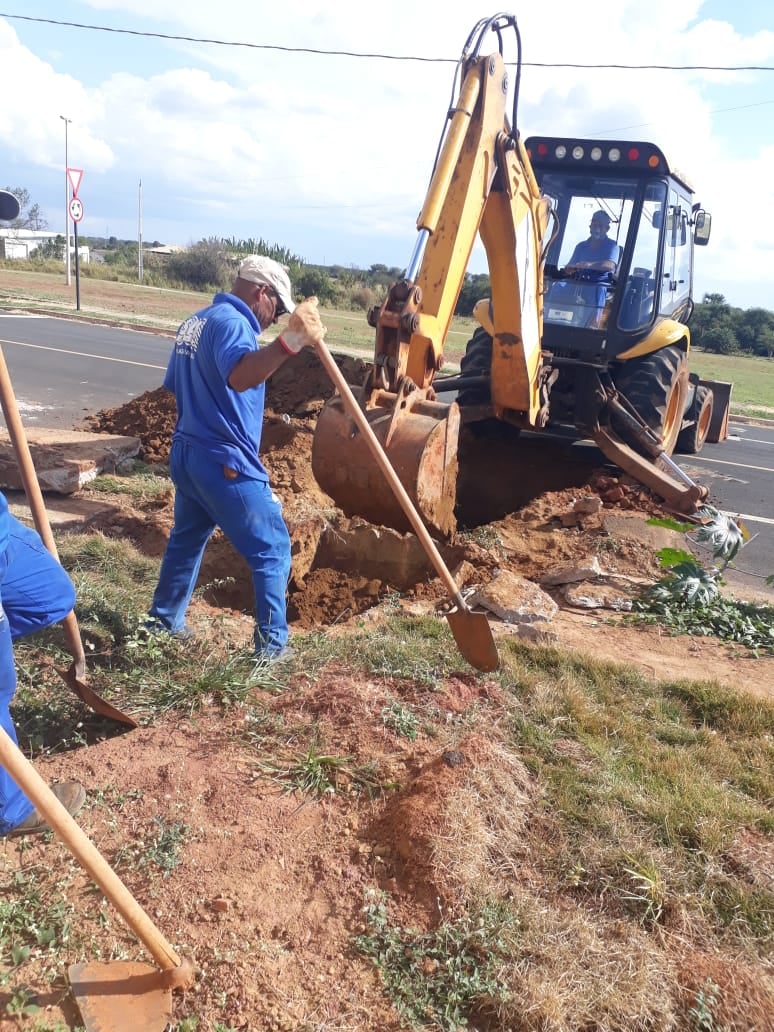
217,372
35,592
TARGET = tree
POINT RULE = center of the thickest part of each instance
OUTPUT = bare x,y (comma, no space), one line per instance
755,331
30,215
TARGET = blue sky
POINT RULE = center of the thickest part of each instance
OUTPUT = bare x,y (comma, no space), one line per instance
330,156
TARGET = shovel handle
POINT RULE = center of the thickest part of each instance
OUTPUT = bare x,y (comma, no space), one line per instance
87,854
357,414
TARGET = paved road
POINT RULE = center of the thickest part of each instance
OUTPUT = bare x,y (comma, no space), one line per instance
63,370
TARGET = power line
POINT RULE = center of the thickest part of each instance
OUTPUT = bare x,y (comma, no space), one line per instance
382,57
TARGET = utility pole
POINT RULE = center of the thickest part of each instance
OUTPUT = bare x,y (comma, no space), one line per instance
139,233
67,121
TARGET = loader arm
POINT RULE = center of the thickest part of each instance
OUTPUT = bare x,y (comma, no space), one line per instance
482,183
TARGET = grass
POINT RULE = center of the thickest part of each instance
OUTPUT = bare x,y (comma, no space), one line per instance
598,821
752,377
443,977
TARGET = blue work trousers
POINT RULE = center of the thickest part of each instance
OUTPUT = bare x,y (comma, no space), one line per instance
250,515
35,591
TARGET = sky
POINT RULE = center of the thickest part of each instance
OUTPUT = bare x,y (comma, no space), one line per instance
330,155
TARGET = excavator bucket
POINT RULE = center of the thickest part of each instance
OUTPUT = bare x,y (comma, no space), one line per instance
420,440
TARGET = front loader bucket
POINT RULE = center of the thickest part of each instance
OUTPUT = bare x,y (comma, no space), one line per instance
421,444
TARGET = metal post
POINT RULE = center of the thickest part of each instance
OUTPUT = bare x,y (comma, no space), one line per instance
67,205
139,233
77,278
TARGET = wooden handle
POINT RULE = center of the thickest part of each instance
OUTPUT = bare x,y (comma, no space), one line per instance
34,495
385,465
85,852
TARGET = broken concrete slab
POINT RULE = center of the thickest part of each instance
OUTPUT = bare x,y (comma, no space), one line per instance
514,599
65,460
571,573
65,513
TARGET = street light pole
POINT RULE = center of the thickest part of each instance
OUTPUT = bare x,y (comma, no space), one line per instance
67,121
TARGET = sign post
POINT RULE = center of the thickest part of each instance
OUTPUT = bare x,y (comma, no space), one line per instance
76,214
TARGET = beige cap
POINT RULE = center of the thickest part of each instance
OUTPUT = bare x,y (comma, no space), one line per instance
257,268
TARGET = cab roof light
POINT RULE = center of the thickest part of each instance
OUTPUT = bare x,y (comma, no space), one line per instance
635,155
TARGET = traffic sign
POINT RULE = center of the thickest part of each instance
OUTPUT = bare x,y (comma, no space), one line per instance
75,175
76,209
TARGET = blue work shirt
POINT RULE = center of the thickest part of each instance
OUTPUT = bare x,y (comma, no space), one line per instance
211,415
591,250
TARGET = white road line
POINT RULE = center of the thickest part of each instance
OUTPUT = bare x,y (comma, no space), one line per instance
82,354
750,440
725,462
746,516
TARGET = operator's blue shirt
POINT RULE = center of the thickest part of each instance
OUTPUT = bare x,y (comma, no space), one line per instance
224,423
604,250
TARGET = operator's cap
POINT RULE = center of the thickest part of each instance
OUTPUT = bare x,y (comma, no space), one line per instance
257,268
601,216
9,206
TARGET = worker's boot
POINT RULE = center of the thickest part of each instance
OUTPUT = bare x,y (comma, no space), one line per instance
69,793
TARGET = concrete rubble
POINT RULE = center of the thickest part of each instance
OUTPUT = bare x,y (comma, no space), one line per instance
65,460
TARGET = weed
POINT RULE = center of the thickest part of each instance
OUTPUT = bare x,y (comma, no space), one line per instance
165,849
401,719
702,1014
29,920
174,686
688,598
444,976
648,894
140,481
317,774
487,537
22,1003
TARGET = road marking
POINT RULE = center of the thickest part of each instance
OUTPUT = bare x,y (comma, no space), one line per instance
22,315
750,440
746,516
725,462
82,354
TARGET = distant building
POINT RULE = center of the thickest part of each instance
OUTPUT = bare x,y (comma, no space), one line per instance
17,243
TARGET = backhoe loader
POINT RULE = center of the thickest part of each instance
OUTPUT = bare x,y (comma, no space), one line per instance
559,344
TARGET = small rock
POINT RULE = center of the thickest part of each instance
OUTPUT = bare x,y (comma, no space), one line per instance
453,758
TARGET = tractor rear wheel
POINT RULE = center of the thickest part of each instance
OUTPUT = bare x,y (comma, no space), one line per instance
691,439
477,361
657,387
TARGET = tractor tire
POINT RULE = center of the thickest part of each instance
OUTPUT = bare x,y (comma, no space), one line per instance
657,386
691,440
477,361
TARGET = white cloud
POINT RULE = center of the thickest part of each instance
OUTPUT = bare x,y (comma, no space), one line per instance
332,155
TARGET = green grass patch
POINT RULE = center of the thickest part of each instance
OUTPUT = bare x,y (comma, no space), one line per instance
752,377
649,781
447,978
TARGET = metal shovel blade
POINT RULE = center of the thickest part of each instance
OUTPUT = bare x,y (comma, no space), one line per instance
122,996
474,638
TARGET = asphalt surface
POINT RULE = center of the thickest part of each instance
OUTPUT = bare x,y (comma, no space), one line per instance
63,370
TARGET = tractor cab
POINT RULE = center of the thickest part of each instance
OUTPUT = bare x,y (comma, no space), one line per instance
605,291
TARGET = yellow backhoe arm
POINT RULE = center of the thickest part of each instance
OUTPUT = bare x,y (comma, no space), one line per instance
482,183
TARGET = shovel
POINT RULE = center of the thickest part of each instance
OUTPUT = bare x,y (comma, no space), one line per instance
74,677
471,630
120,996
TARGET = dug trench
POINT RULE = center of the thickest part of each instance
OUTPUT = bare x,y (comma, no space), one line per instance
528,507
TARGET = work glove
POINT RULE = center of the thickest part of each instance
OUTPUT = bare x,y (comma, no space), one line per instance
304,329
